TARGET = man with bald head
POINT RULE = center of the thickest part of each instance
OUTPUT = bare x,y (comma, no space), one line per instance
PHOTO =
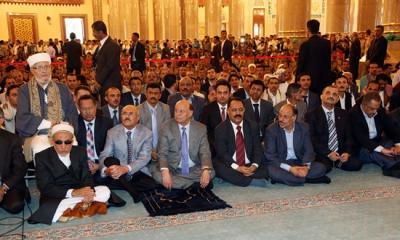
184,156
127,151
186,89
289,153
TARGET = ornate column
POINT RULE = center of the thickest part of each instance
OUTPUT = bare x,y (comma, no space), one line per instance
158,19
143,18
292,16
189,18
97,10
236,18
337,16
172,19
367,16
213,17
391,15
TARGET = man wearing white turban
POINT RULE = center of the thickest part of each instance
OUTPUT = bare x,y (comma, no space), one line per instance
41,104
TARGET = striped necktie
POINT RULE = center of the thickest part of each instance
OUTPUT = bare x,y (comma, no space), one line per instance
90,142
129,146
332,142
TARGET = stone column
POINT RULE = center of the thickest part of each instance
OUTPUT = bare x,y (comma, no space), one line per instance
236,18
213,17
367,16
292,17
391,15
158,19
97,10
337,16
189,18
172,19
143,18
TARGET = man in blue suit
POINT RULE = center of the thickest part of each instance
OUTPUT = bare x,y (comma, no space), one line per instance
123,162
289,152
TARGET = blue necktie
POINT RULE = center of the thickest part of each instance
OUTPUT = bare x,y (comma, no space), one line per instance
184,153
129,143
154,127
115,118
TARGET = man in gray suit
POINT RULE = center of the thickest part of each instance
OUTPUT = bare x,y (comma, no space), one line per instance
123,162
184,156
186,89
153,114
295,98
289,152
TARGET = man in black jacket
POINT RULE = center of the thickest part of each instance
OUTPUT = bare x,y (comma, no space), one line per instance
73,50
377,50
315,58
355,54
138,54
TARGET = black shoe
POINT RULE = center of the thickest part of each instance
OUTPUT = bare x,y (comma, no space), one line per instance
323,179
273,181
115,201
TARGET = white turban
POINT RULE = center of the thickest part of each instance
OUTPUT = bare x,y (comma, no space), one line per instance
251,65
62,127
38,57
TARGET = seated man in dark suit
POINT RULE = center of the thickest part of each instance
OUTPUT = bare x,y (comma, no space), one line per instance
330,133
395,117
170,87
184,156
12,171
258,110
310,98
216,112
126,154
239,152
63,177
295,98
135,96
92,132
112,109
186,89
289,152
346,100
374,134
244,93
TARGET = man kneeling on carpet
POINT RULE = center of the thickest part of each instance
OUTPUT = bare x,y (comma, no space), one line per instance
183,151
64,181
127,151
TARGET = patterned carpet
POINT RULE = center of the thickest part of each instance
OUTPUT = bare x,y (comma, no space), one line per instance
323,196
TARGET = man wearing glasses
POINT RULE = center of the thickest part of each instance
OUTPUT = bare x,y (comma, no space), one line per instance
41,104
63,178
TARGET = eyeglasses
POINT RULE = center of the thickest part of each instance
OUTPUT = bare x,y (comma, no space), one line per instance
59,142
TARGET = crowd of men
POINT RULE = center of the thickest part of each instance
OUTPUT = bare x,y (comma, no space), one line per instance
155,129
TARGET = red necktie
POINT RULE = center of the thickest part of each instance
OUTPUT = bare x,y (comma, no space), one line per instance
239,147
222,114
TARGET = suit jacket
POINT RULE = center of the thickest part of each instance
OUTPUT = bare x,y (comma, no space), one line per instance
377,50
211,117
107,64
267,114
216,53
127,99
12,161
241,93
225,142
319,131
300,106
227,50
101,126
275,145
106,112
395,117
169,145
140,55
54,179
162,115
347,101
164,96
312,101
197,103
74,52
355,50
360,131
315,58
116,146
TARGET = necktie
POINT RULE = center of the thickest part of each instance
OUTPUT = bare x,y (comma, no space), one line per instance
239,147
136,101
130,147
184,153
306,100
90,142
332,142
256,112
154,127
223,114
115,117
